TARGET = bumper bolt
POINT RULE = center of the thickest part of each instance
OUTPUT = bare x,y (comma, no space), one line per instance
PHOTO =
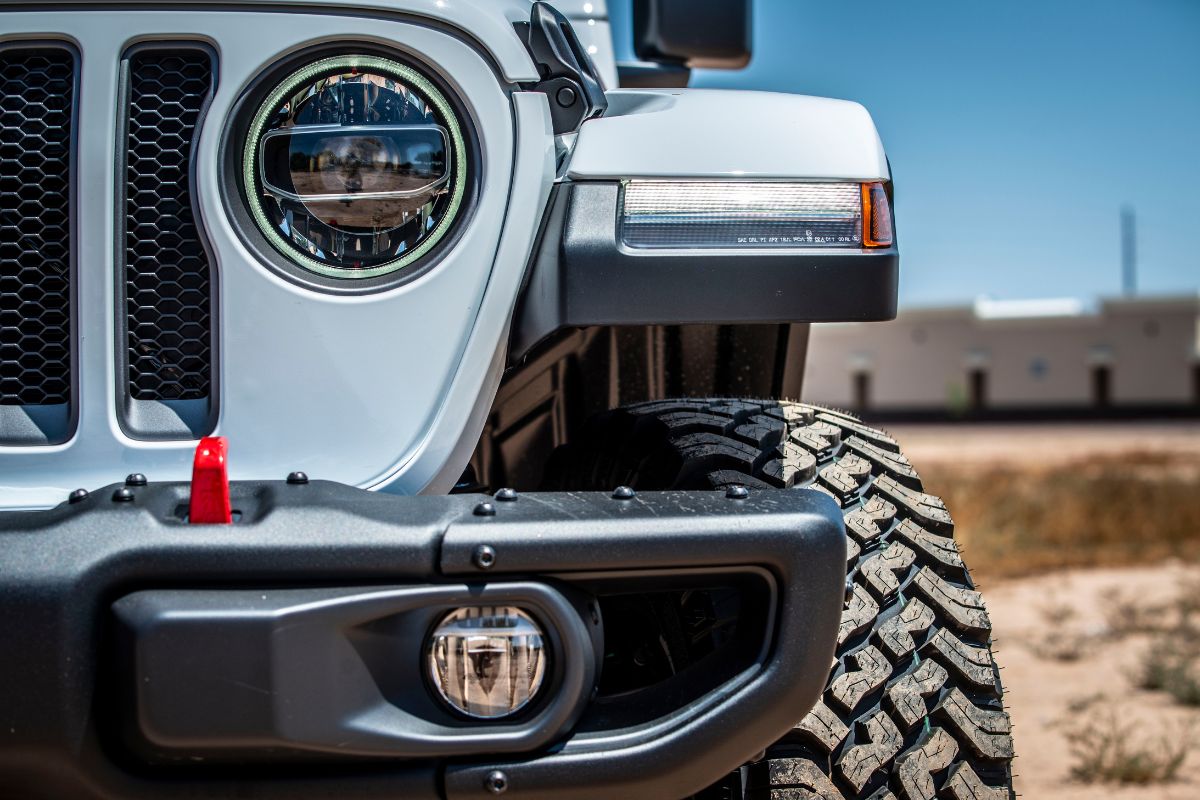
484,556
623,493
506,494
123,495
737,492
496,782
77,496
135,479
485,509
296,478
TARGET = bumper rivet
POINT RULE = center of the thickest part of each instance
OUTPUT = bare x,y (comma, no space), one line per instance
123,495
135,479
623,493
297,477
506,494
496,782
484,556
485,509
77,496
737,492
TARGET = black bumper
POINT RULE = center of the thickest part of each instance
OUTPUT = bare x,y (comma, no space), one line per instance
77,718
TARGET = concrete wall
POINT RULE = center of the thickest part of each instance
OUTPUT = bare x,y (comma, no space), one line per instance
922,360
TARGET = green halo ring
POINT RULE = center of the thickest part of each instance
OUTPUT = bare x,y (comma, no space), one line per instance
392,69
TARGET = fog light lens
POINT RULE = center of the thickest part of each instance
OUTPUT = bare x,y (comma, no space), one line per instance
487,661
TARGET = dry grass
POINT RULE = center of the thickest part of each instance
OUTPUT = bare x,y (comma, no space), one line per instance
1107,510
1106,750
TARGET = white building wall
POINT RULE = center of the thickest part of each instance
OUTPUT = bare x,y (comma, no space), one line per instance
921,360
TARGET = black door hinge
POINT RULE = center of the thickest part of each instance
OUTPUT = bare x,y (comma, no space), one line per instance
568,77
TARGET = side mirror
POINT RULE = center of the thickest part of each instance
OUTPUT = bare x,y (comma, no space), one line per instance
715,34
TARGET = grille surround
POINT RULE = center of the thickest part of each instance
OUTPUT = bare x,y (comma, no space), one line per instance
166,283
39,91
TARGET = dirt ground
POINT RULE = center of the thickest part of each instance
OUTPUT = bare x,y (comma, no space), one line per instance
1044,443
1050,697
1034,503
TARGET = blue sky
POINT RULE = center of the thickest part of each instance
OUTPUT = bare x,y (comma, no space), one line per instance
1016,131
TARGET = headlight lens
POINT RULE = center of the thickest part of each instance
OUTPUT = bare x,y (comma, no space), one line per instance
487,661
355,166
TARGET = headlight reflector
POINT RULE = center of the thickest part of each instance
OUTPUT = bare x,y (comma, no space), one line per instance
355,166
487,661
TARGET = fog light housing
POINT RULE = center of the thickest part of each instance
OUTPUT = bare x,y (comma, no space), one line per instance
487,662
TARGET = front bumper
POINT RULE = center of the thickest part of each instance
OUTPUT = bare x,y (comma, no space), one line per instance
104,692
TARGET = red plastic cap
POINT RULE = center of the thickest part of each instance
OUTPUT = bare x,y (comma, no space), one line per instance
210,503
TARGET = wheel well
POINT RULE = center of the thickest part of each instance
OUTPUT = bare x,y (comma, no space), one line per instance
545,398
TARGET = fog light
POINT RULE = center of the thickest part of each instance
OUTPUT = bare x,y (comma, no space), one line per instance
487,661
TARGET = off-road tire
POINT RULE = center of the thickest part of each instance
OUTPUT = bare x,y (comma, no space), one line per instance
913,705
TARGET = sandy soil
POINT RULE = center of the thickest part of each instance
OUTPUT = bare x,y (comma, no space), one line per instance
1044,442
1048,696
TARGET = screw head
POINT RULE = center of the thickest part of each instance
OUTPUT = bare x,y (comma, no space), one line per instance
565,97
506,495
849,590
122,495
485,509
135,479
737,492
496,782
77,496
484,556
297,477
623,493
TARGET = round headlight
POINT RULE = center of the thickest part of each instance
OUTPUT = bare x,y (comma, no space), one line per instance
354,166
487,661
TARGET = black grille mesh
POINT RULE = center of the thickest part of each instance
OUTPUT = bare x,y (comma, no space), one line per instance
167,275
37,89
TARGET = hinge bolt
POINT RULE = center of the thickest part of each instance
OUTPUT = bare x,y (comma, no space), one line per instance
737,492
623,493
506,494
123,495
485,509
77,496
297,478
135,479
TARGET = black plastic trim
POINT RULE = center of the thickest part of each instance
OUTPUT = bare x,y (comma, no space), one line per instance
164,419
55,423
583,275
61,688
205,672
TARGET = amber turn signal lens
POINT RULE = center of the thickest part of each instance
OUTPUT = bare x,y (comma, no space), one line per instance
876,216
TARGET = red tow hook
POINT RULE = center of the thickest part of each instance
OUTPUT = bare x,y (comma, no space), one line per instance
210,503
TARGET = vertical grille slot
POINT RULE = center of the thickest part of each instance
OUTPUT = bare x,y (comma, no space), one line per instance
167,273
37,110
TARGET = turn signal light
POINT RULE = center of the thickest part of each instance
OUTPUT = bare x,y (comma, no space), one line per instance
876,216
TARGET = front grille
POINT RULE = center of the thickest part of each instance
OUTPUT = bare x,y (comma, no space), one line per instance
167,273
37,94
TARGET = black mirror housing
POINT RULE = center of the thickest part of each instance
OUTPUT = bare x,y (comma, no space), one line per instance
714,34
